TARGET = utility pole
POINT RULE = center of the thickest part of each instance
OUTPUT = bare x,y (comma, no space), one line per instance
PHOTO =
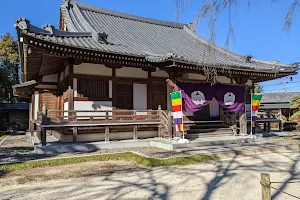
284,82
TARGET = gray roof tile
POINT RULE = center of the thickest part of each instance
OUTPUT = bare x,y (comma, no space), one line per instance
279,97
156,40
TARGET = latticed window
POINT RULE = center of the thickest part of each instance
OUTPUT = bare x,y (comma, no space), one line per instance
93,88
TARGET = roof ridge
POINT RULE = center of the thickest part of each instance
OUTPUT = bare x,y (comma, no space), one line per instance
129,16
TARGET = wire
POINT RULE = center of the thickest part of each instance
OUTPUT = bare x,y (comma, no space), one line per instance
284,192
287,182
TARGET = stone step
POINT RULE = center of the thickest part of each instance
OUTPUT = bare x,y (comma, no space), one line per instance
215,136
254,147
202,126
211,141
209,130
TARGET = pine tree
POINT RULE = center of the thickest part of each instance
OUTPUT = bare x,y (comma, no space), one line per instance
9,68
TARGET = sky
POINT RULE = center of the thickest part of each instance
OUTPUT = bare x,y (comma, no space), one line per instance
258,28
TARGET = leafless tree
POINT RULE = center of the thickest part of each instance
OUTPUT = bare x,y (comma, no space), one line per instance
210,10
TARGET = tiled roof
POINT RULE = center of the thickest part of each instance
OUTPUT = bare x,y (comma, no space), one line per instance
14,106
157,41
279,97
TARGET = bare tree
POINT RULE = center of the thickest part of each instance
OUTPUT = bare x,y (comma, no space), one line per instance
210,10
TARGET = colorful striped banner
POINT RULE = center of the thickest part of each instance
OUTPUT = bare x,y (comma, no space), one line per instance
176,99
256,98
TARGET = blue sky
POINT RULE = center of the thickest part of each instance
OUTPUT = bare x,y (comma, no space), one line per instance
258,30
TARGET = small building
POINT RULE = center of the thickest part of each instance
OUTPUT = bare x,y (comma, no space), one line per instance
278,101
14,113
102,74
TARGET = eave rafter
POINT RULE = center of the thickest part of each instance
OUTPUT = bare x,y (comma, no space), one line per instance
92,56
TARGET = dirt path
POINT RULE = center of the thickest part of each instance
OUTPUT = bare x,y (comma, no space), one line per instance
235,178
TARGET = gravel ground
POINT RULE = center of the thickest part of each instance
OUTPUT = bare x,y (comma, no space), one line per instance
20,148
235,179
284,140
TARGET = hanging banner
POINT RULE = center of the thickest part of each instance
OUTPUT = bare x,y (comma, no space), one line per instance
256,98
198,95
176,99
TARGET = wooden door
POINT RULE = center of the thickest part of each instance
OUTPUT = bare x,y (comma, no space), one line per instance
159,94
50,100
124,95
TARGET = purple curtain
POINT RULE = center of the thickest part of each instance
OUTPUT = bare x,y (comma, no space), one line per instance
196,96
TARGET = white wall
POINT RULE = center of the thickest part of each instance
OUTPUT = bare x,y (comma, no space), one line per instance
223,79
50,78
131,72
61,76
200,77
67,70
44,86
140,98
36,105
66,108
110,89
92,105
249,83
75,87
193,76
160,73
92,69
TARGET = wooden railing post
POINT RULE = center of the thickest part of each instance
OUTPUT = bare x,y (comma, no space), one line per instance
134,115
75,130
106,133
170,126
135,132
106,116
43,122
265,186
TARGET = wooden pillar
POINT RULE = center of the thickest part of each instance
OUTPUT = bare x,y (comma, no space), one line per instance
31,127
149,91
44,121
135,132
75,131
114,88
280,126
70,91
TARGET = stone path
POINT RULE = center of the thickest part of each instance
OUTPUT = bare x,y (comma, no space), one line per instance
235,178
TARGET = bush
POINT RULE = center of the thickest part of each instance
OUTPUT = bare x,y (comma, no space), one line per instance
283,118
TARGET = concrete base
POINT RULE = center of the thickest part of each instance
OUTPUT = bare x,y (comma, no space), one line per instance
85,147
54,146
91,137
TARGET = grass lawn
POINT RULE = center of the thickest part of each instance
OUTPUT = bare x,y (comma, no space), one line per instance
143,161
296,138
2,137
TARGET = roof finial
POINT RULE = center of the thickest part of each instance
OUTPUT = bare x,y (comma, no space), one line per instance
69,3
248,58
22,23
191,26
102,37
50,28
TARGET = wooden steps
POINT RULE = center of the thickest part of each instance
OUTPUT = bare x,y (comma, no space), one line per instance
207,129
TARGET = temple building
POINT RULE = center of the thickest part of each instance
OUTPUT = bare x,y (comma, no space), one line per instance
99,60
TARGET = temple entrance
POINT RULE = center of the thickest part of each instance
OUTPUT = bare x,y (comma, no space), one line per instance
208,113
214,110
